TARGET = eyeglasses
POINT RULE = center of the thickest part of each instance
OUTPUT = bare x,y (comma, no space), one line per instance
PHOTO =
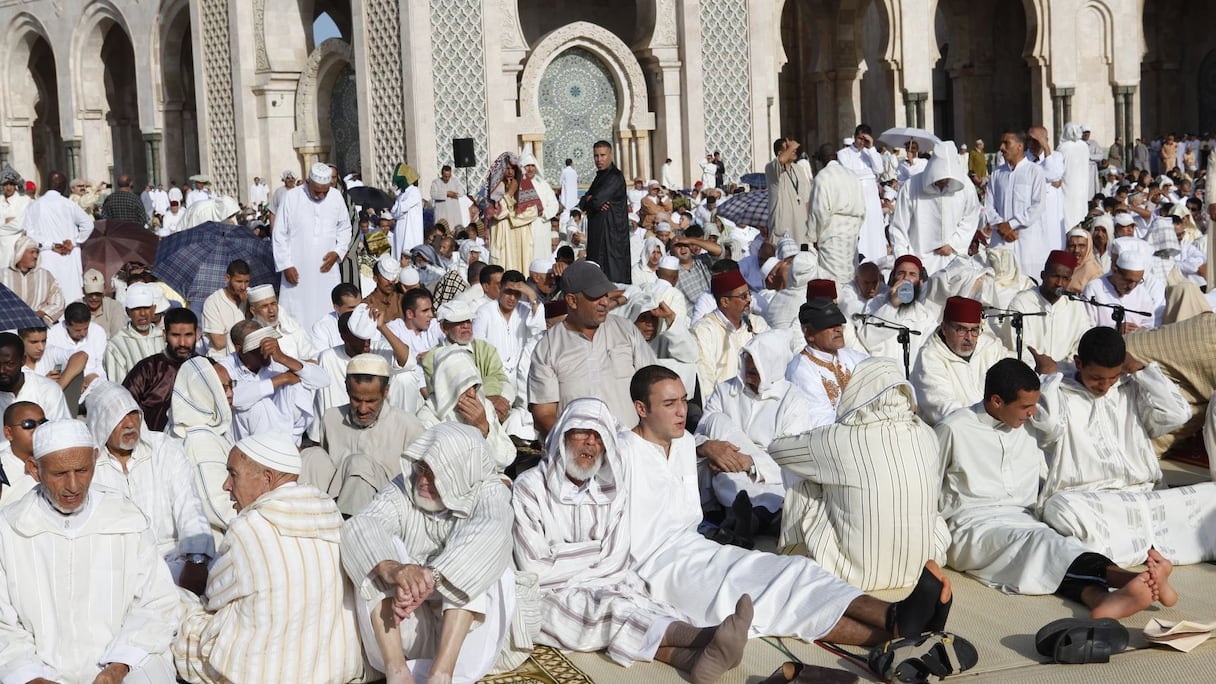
745,295
967,332
29,423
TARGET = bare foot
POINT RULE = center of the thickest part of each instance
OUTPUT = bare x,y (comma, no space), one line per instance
1159,569
1134,597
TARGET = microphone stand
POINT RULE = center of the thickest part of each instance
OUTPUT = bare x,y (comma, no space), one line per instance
1015,321
904,337
1117,312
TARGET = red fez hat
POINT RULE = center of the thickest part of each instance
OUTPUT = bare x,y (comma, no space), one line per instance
820,287
910,258
963,310
1059,256
29,186
723,283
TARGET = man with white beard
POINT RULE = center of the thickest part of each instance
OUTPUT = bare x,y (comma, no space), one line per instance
114,627
430,557
936,213
571,531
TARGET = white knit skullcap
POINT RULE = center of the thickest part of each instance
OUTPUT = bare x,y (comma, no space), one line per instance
361,323
1124,219
254,339
409,277
275,450
139,295
1132,260
541,265
669,263
320,174
259,293
389,267
663,227
60,435
368,364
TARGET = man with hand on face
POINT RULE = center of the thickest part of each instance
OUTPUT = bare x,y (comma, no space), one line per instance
865,162
76,333
282,544
151,380
113,627
456,320
293,337
271,390
311,231
361,440
950,368
903,303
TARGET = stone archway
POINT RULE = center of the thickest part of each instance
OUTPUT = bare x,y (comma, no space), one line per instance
110,138
578,104
31,102
633,122
178,101
329,71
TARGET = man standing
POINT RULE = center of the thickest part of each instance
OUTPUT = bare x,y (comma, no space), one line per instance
1013,206
13,203
140,338
259,192
226,307
950,368
936,213
123,204
568,180
200,190
509,323
607,223
446,192
125,613
151,380
977,164
789,193
438,539
668,177
864,161
1140,156
1096,156
311,230
837,216
58,225
276,199
407,211
1058,331
282,545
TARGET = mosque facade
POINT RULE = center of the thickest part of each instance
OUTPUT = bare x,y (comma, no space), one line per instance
163,89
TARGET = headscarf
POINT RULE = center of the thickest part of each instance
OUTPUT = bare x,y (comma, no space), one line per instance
1072,132
108,404
455,372
404,176
461,461
770,353
9,175
1088,267
877,392
648,247
19,247
198,400
944,165
217,209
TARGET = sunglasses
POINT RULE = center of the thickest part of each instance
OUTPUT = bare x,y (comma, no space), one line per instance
30,423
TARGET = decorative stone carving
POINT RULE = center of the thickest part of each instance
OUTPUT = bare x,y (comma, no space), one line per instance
665,23
307,133
512,34
726,69
261,58
387,104
217,80
458,62
578,104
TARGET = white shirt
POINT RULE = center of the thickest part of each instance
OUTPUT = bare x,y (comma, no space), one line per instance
508,335
569,188
258,407
305,230
93,344
1148,296
1015,195
1056,334
197,195
259,193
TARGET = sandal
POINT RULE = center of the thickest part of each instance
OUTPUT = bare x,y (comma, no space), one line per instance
1077,641
913,659
801,673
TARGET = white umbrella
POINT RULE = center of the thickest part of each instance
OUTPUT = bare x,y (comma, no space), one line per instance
900,136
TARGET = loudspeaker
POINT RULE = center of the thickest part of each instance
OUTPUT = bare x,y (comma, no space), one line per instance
462,153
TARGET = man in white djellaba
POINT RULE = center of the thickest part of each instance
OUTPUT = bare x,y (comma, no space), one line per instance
937,213
437,593
1013,207
282,544
570,529
59,226
114,627
568,182
863,160
311,231
990,489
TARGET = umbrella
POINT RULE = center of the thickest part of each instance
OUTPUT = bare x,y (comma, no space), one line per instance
194,261
114,243
370,198
16,314
755,180
746,208
900,136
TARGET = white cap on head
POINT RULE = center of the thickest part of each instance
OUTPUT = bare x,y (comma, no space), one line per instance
139,295
60,435
289,173
787,248
361,324
1124,219
254,339
663,227
541,265
769,265
388,267
409,277
320,174
1132,260
275,450
259,293
669,263
1104,220
368,364
456,311
1085,129
93,281
1164,180
162,302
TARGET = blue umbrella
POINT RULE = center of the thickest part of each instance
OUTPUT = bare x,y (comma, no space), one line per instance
746,208
193,261
15,314
755,180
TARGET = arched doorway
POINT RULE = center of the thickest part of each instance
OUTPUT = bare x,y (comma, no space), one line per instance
877,81
179,106
327,109
578,105
32,105
1175,72
122,100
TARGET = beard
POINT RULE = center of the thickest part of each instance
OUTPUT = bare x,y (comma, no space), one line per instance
427,504
580,473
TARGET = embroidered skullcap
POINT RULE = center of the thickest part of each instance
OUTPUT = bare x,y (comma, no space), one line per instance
361,324
320,174
963,310
389,267
60,435
368,364
260,293
275,450
409,277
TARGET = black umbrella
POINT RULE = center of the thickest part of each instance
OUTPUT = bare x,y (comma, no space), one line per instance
370,198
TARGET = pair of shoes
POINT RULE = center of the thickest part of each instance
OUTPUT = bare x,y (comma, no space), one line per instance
801,673
736,528
913,659
1077,641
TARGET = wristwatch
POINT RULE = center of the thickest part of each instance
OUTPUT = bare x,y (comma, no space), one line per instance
436,574
197,558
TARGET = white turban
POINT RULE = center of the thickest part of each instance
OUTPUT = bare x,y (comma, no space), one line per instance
320,174
361,324
275,450
61,435
259,293
389,267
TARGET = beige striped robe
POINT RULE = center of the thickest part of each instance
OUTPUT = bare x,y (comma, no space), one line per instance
278,608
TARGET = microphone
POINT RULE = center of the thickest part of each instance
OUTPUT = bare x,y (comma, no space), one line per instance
860,317
1075,296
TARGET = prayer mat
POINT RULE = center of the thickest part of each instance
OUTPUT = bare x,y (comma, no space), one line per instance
546,665
1190,451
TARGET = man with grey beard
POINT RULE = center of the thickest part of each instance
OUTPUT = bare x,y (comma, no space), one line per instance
570,529
361,441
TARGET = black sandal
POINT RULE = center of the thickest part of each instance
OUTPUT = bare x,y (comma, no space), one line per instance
912,660
1077,641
